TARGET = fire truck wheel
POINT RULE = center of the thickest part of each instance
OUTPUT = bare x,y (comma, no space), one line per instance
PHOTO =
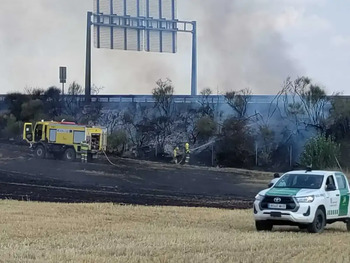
40,152
69,155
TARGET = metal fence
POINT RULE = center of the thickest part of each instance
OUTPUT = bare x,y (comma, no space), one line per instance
177,98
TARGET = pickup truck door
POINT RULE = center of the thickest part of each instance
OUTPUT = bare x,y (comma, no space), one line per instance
344,194
332,198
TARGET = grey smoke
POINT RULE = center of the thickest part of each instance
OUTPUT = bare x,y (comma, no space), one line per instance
238,45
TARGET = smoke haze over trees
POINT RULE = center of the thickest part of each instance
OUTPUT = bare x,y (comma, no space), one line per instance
241,44
237,133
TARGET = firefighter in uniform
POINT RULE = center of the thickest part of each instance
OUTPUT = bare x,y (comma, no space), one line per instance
276,177
187,152
84,148
175,154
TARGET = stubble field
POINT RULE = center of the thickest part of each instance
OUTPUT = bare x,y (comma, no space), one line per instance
49,232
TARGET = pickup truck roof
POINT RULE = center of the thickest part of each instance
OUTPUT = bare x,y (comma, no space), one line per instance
318,172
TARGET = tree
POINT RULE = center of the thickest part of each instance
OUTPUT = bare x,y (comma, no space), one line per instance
34,93
32,110
52,102
206,105
205,127
267,144
238,101
117,141
75,89
321,153
236,145
188,120
164,103
339,118
74,104
305,102
140,130
14,102
9,126
163,96
265,137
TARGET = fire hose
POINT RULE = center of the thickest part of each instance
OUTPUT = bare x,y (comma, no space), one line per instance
109,160
180,162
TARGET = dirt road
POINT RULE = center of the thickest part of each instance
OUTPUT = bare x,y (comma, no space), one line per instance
24,177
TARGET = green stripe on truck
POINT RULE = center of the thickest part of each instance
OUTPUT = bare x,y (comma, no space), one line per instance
283,191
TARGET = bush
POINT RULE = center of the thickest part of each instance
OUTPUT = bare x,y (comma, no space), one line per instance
10,127
266,142
3,121
206,127
321,153
117,142
236,145
14,102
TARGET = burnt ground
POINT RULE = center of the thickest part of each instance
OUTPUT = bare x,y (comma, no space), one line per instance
23,177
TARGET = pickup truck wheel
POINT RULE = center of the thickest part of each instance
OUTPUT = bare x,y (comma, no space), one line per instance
40,152
69,155
263,226
317,226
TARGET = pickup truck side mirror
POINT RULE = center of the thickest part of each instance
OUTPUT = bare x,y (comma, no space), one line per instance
331,187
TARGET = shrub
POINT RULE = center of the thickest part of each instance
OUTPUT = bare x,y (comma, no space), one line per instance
11,127
236,147
206,127
117,142
321,153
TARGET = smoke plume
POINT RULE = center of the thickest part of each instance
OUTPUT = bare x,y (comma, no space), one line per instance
239,46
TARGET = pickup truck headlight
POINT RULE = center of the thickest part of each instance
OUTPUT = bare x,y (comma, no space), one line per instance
259,197
305,199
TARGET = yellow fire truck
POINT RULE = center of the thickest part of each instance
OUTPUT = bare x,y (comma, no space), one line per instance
63,139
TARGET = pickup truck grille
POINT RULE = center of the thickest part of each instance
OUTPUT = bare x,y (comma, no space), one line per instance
288,201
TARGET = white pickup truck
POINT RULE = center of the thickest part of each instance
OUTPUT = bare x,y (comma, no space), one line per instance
308,199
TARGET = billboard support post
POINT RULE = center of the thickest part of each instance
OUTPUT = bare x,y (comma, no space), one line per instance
194,60
88,60
63,77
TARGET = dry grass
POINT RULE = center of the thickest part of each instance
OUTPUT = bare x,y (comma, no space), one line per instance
43,232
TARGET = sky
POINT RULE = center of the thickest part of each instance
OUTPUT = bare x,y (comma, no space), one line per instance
252,44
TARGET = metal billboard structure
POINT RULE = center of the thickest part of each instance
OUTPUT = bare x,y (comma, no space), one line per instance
137,25
63,77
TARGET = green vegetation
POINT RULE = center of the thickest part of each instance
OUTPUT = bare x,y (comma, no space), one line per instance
206,127
321,153
117,142
236,145
37,104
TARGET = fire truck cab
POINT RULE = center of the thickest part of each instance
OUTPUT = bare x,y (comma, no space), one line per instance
63,139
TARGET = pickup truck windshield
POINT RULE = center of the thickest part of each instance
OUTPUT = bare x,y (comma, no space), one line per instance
308,181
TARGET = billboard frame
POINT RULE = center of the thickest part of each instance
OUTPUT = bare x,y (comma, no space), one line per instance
143,25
